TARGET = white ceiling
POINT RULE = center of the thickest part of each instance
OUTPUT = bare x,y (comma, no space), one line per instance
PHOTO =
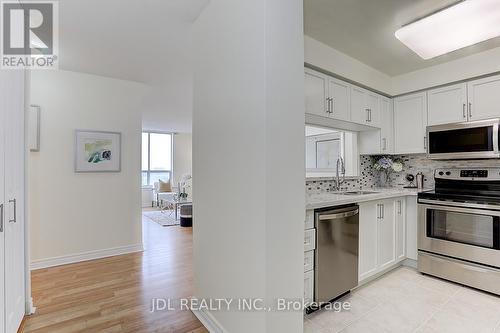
364,30
148,41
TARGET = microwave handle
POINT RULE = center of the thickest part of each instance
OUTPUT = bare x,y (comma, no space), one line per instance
495,138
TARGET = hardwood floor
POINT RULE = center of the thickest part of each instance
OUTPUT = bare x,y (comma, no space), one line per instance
114,294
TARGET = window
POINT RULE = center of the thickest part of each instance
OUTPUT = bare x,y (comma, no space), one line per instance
156,157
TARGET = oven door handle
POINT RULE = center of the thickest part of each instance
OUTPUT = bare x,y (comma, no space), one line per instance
430,204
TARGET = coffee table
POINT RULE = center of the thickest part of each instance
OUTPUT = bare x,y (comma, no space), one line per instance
174,203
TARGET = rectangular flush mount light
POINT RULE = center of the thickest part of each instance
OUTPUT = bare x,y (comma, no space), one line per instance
464,24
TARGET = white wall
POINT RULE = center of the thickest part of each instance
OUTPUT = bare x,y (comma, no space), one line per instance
83,214
183,155
475,65
332,60
248,159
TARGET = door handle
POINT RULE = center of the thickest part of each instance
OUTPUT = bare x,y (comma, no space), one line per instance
470,110
14,220
425,142
370,113
464,112
384,144
338,215
1,218
382,211
328,105
332,108
400,208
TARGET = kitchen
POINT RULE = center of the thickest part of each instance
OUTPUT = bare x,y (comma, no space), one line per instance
402,191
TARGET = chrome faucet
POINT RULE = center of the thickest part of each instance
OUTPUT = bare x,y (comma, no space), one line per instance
340,169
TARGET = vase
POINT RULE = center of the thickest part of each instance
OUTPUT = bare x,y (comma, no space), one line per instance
384,177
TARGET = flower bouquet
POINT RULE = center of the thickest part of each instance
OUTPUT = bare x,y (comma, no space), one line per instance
386,165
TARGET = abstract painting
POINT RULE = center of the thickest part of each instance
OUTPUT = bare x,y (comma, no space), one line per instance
97,151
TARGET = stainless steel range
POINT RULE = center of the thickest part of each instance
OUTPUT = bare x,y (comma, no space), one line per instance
459,228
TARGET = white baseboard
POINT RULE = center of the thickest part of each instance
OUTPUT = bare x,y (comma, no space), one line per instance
410,263
208,320
84,256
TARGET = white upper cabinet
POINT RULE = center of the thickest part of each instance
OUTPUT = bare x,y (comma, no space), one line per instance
447,104
340,99
365,107
484,98
387,126
326,96
410,122
316,90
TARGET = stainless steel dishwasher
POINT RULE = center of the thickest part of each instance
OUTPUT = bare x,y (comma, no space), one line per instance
336,255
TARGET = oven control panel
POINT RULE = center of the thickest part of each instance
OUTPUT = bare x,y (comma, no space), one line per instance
468,174
474,173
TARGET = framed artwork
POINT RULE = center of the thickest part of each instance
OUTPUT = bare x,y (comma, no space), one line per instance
97,151
34,128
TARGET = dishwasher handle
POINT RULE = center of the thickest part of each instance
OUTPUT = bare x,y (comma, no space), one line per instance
339,215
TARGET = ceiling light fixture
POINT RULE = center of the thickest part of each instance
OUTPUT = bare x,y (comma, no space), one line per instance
463,24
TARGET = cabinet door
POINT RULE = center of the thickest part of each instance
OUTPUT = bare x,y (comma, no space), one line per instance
386,235
410,122
316,90
368,220
2,206
359,109
411,227
13,102
447,104
484,98
387,126
373,105
400,228
340,93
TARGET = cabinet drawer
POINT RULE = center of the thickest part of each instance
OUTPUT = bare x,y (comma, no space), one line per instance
308,286
309,240
308,261
309,222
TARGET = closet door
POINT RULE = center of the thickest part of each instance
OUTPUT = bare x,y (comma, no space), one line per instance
2,207
13,97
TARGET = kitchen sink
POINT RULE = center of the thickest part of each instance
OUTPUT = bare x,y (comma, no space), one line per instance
359,192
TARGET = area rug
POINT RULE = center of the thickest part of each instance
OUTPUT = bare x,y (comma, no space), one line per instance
164,218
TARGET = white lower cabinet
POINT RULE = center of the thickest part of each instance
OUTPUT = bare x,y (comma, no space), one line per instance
381,235
411,228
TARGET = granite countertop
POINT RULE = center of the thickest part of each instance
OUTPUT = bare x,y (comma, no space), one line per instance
331,199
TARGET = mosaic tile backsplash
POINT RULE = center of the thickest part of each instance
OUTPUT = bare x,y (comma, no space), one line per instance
370,178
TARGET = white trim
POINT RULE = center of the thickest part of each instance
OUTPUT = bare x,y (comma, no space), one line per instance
410,263
84,256
208,320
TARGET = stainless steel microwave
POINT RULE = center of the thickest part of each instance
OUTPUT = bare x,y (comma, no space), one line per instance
469,140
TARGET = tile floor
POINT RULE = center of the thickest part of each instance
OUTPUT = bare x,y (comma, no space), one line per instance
404,300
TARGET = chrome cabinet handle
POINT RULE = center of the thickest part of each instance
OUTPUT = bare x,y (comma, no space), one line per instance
331,106
328,105
384,144
14,220
1,218
470,110
464,112
382,213
425,142
400,208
